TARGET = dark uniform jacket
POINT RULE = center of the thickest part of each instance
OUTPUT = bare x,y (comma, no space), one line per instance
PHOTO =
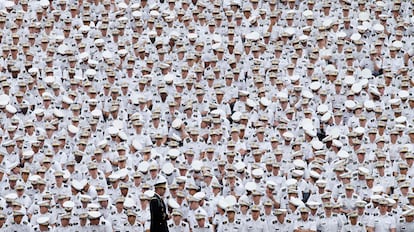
158,215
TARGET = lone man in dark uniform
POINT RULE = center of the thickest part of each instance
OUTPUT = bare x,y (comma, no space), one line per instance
159,215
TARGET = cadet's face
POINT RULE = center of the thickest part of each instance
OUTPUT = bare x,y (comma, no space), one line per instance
104,203
255,214
304,216
353,220
383,208
119,206
65,222
201,222
328,210
230,215
18,219
194,204
131,219
94,221
43,209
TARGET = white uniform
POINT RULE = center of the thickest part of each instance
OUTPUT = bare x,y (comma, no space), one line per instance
381,223
258,225
181,227
403,226
305,225
332,223
277,226
206,228
24,226
136,227
227,226
348,227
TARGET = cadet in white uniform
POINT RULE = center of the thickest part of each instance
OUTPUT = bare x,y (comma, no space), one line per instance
17,224
64,223
281,223
383,222
176,224
132,224
82,225
304,223
97,223
255,223
231,223
406,222
202,224
329,221
352,225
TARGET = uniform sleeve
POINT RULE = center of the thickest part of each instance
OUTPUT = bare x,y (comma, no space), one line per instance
393,224
340,225
148,141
